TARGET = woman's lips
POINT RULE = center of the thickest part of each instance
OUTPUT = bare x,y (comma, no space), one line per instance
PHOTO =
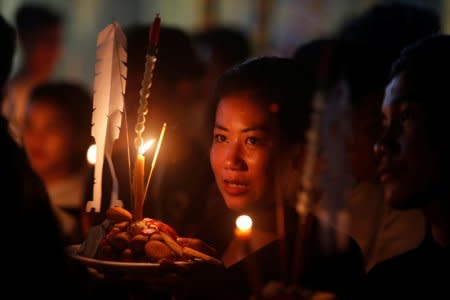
387,174
235,187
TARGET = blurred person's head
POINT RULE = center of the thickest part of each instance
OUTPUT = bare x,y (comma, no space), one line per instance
57,129
177,72
40,33
7,35
389,27
380,34
220,48
413,149
262,111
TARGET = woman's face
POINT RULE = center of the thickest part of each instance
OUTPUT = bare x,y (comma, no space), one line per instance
408,165
245,152
46,139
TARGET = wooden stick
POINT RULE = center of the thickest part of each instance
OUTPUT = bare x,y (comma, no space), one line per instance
128,155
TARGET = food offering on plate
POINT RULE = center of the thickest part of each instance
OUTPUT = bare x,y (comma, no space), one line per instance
121,239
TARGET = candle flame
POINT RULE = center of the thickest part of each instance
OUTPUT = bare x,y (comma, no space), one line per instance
146,146
91,154
244,222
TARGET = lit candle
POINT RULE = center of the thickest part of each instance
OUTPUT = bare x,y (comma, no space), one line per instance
91,154
243,228
243,233
138,180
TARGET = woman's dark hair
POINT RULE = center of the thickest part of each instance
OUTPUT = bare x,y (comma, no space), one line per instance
425,66
273,80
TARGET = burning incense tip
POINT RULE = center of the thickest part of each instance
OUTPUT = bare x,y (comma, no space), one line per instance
154,32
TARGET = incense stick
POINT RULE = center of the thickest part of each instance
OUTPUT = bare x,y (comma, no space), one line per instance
155,157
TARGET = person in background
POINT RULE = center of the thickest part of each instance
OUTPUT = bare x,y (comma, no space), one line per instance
56,136
39,30
33,244
413,169
369,44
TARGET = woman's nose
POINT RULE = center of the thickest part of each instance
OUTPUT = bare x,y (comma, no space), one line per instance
385,144
234,158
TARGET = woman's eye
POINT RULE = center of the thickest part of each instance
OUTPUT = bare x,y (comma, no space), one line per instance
219,138
251,140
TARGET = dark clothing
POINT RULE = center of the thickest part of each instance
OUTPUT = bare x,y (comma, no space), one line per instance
32,250
324,268
216,225
420,273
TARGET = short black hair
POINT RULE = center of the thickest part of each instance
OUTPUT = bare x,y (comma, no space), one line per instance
177,58
30,17
7,49
424,69
389,27
273,80
424,66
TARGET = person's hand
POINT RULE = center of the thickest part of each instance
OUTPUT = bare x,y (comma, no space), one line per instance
198,245
323,296
276,290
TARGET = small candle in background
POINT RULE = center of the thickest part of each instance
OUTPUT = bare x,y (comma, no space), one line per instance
243,228
91,154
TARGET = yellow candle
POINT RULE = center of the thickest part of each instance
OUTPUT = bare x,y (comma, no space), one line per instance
243,228
138,180
138,186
